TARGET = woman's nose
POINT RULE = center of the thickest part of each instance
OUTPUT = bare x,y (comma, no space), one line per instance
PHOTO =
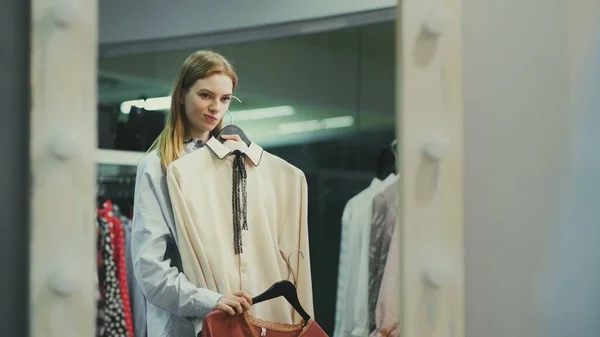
213,109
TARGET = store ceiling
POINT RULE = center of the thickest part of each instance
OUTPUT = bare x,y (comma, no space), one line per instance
334,82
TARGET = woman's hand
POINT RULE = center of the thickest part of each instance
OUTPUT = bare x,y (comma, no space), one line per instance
232,137
235,303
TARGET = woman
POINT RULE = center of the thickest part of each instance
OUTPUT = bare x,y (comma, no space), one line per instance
201,95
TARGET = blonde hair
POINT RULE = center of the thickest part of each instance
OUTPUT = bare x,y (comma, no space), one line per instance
200,64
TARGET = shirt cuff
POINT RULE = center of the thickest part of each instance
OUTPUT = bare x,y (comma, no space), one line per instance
205,302
359,332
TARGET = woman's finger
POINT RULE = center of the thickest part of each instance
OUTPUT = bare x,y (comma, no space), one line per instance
231,137
226,308
244,295
238,307
245,303
235,305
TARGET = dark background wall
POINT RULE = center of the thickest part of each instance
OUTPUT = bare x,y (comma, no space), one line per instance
14,170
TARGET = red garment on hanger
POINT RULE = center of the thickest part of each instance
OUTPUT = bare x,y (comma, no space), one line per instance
122,274
220,324
117,233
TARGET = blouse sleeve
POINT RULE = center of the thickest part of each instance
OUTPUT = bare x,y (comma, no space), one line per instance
293,237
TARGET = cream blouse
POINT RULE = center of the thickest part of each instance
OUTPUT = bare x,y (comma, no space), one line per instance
272,228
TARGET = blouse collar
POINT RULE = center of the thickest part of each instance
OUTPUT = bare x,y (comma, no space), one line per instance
221,150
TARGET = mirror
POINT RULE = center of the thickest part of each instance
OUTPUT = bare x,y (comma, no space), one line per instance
324,103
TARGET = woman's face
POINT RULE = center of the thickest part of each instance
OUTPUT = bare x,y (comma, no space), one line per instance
205,104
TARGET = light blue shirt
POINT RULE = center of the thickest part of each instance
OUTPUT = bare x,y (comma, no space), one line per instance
171,298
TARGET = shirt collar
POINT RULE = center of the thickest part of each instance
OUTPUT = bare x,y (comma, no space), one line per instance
254,152
375,182
192,144
391,177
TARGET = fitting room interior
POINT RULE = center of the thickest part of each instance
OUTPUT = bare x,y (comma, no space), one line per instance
485,114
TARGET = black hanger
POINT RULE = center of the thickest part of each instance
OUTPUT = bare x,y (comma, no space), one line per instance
234,130
386,162
288,291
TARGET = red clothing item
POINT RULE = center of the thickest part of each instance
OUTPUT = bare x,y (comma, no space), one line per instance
122,274
117,234
220,324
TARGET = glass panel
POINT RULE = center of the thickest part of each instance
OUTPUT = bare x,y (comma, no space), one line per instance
322,102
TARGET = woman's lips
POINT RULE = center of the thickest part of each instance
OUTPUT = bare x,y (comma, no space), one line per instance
211,118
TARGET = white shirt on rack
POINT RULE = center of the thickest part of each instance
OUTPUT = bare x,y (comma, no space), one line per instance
352,315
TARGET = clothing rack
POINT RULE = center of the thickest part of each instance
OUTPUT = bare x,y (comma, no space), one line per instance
119,297
368,259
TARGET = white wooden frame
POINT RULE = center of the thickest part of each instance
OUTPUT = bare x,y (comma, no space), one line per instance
63,142
64,156
430,111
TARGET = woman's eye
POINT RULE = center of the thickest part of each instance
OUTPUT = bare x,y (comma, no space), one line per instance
226,99
204,95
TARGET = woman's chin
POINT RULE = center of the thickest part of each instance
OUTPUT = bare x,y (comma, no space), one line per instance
202,129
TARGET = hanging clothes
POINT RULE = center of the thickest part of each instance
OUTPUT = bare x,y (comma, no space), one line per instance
107,121
352,313
100,277
240,212
221,324
387,310
140,130
122,273
114,315
385,207
112,272
111,213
